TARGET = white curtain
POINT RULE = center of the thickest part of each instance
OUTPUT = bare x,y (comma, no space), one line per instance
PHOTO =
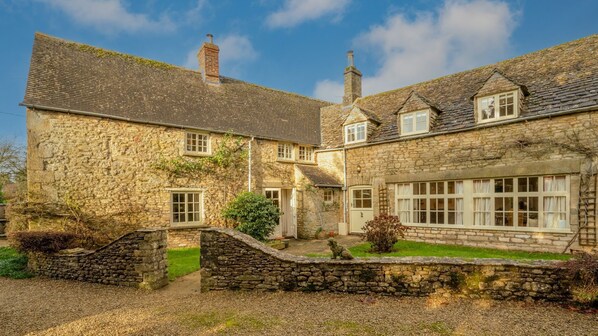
404,206
459,203
555,207
482,205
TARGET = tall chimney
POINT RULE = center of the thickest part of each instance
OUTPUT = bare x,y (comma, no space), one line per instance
208,61
352,81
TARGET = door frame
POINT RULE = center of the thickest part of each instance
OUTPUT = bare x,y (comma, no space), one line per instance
351,208
290,201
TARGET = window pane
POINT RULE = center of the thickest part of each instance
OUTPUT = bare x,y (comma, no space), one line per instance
421,121
407,123
508,185
532,184
487,108
522,184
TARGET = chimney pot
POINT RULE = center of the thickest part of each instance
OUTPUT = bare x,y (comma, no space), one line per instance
210,38
350,58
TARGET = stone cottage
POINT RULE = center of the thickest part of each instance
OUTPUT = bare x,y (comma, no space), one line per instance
500,156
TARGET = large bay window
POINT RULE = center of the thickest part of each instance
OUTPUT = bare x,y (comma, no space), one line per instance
497,107
535,202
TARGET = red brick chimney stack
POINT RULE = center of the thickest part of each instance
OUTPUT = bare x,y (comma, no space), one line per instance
352,81
208,61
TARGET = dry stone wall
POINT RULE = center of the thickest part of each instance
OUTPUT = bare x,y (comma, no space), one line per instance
137,259
232,260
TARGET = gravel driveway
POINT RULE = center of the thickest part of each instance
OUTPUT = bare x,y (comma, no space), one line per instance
55,307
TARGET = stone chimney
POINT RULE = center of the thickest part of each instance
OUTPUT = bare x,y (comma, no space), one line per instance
352,81
208,61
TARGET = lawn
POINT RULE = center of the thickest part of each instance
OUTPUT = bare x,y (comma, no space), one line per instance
406,248
13,264
182,261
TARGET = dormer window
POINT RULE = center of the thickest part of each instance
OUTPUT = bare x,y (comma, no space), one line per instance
285,151
355,133
497,107
197,143
415,122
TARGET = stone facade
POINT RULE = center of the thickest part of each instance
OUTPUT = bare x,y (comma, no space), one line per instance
137,259
108,166
179,237
487,152
231,260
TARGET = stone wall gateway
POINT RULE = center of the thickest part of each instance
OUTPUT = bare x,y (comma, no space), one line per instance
137,259
232,260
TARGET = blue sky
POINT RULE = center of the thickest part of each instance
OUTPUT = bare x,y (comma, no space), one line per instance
292,45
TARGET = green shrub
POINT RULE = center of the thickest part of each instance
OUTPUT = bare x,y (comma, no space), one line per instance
42,241
256,215
13,264
383,232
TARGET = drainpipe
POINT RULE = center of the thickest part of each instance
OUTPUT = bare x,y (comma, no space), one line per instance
345,186
249,158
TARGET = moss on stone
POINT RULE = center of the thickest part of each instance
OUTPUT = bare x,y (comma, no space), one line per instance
102,53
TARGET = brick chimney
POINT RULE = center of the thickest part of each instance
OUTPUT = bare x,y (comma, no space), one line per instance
352,81
208,61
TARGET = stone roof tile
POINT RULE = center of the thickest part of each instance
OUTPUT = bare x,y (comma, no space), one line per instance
73,76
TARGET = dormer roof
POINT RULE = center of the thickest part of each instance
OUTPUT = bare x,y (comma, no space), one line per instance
360,114
498,82
415,102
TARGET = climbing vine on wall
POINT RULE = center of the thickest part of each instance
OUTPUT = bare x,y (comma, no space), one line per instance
223,174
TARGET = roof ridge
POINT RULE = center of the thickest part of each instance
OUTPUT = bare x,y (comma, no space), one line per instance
493,65
159,64
279,90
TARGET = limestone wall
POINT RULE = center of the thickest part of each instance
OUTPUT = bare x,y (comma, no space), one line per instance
107,166
137,259
182,237
232,260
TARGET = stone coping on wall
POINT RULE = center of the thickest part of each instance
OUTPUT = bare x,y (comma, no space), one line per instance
186,227
384,260
136,259
235,261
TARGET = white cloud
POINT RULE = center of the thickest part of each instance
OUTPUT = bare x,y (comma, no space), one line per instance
236,51
295,12
110,16
458,36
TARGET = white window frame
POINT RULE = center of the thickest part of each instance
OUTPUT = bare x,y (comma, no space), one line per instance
328,196
308,153
197,135
414,115
185,212
354,128
497,116
469,195
288,148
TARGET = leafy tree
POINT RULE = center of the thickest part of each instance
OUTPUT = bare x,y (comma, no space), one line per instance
256,215
12,165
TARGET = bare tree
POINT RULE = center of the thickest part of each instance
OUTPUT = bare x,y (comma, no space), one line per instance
12,161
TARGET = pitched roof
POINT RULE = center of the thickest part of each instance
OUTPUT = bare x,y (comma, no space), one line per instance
557,79
318,177
73,76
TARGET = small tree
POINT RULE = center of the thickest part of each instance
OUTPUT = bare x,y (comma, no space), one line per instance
383,232
256,215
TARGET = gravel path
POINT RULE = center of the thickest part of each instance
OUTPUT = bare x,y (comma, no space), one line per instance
54,307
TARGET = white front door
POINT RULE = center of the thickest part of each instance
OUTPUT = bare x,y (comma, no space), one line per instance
284,199
361,209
